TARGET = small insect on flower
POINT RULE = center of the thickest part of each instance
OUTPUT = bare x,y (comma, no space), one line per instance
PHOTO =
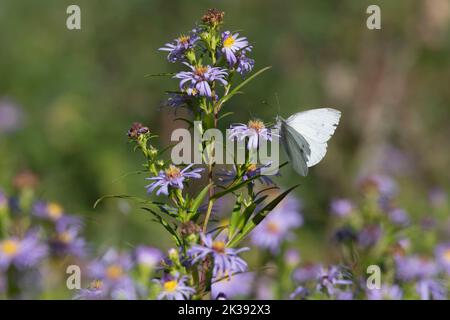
200,78
255,131
174,288
22,253
231,44
172,177
178,48
226,260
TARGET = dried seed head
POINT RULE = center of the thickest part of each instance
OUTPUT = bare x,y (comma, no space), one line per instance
136,130
213,17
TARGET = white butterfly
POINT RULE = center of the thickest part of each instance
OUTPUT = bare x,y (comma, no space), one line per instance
304,136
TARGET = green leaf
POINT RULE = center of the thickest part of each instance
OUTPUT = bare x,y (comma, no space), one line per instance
259,217
235,217
197,202
235,187
226,115
137,199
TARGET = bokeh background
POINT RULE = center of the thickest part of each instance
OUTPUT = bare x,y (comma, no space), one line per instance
67,98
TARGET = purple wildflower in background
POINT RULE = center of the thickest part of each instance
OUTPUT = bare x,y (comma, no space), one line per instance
67,240
172,177
230,288
177,49
410,268
437,197
442,253
307,273
244,64
292,257
174,288
330,278
369,235
299,293
255,131
148,256
386,292
226,260
111,270
430,289
341,207
10,116
277,226
399,217
201,78
93,292
231,45
177,100
48,210
22,253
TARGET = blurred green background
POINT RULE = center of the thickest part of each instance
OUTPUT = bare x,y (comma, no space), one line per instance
79,91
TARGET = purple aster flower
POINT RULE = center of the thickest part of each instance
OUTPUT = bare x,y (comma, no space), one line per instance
277,226
177,49
292,257
238,285
231,45
226,260
341,207
255,131
22,253
442,253
95,291
399,217
369,235
174,288
244,64
299,293
172,177
178,100
227,176
200,79
386,292
430,289
410,268
112,271
48,210
148,257
344,295
307,273
330,278
10,116
437,197
67,240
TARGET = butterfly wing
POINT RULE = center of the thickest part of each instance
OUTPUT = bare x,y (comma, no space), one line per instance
296,147
316,126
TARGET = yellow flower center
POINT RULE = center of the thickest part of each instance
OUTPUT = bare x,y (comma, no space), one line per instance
170,286
201,70
228,42
218,246
9,247
96,284
447,255
184,39
256,125
252,168
114,272
55,211
65,237
173,172
272,227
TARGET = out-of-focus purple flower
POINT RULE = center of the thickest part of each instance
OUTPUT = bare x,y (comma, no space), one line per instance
244,64
430,289
277,226
307,273
174,288
177,49
299,293
255,131
148,257
112,270
200,79
226,260
67,240
178,100
48,210
231,45
399,217
442,253
95,291
238,285
172,177
384,185
428,223
330,278
437,197
3,201
10,116
22,253
345,234
292,257
341,207
386,292
344,295
410,268
369,235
